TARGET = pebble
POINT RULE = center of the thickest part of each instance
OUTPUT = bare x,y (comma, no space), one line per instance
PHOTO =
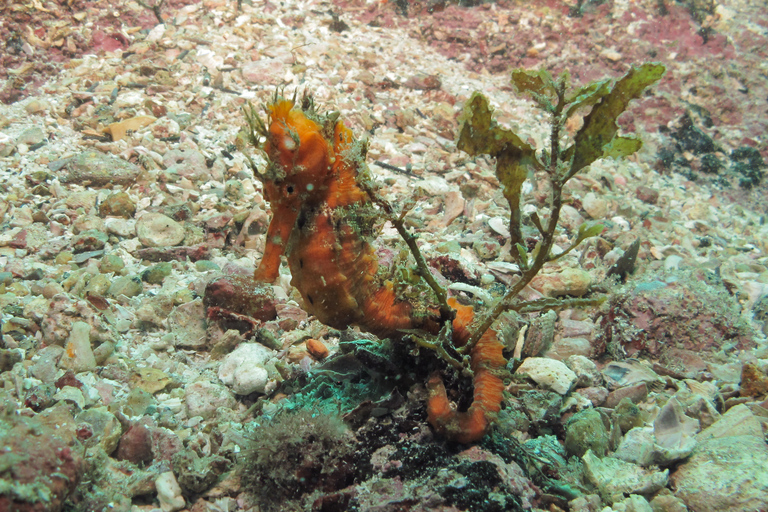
125,228
615,478
31,136
169,492
91,240
111,264
78,354
125,285
571,281
158,230
202,398
596,207
118,204
586,431
548,373
244,369
96,168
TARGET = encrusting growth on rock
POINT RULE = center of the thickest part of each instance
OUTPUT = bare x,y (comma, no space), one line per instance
323,220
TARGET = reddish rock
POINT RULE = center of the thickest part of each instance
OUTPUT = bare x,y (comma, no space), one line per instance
754,381
647,194
43,459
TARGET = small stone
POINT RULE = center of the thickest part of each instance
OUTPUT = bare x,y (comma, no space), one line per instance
158,230
615,478
586,431
186,163
647,194
264,71
135,444
206,266
487,249
118,205
111,263
91,240
725,474
36,106
105,426
571,281
125,285
585,369
244,370
317,349
157,273
188,325
169,492
98,285
627,415
754,381
548,373
78,354
124,228
97,169
202,398
31,136
635,393
596,207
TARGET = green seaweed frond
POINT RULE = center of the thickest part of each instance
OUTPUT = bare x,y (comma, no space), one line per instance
516,159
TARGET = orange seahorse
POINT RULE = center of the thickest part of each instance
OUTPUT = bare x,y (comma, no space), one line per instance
323,221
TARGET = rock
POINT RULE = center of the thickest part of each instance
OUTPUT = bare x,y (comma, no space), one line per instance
124,228
571,281
90,240
647,194
725,474
125,285
111,264
264,71
118,204
627,415
186,162
39,461
158,230
31,136
586,431
596,207
585,369
668,503
197,474
595,394
564,348
633,503
188,325
96,169
737,421
619,374
78,354
548,373
169,492
105,427
135,444
615,478
156,274
636,393
241,294
754,381
203,398
244,370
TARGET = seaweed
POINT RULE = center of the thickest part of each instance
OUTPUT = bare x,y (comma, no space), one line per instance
516,159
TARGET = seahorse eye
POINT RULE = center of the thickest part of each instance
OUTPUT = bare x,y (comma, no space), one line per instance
289,143
289,189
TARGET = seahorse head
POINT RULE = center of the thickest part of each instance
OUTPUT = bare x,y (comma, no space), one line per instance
300,156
